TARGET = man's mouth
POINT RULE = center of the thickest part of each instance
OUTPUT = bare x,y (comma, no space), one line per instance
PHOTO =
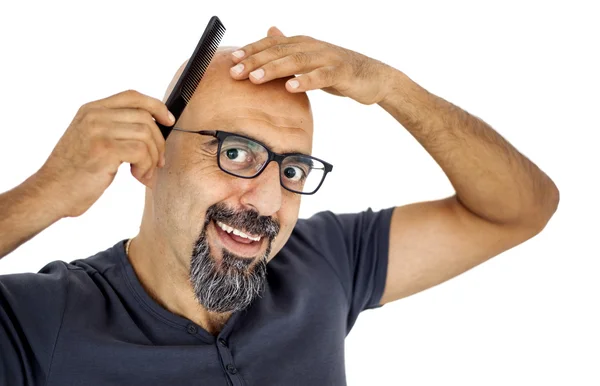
238,241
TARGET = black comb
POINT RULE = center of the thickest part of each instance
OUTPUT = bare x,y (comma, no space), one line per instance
194,71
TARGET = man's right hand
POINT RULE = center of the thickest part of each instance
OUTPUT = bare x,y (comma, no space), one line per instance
102,135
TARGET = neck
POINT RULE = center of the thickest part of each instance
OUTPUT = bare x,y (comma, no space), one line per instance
165,277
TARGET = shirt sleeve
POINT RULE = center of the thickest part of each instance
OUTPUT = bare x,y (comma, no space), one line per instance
356,245
31,312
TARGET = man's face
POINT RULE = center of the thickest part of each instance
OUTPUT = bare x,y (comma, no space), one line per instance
200,208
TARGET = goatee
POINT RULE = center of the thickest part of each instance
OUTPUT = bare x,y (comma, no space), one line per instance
232,283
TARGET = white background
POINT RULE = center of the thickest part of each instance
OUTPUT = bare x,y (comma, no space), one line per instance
529,69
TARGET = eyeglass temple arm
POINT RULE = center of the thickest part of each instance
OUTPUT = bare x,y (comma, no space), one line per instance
212,133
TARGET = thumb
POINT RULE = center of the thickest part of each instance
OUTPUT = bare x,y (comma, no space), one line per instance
274,31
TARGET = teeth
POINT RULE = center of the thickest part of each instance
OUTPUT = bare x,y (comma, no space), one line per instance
236,232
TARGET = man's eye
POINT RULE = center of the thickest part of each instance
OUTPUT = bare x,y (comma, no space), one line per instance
294,173
236,155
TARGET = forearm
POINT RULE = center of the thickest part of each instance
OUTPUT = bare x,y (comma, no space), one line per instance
491,178
25,211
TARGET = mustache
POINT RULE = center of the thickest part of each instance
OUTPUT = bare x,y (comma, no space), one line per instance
246,220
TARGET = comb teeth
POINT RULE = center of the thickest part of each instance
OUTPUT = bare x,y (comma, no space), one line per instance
201,60
194,71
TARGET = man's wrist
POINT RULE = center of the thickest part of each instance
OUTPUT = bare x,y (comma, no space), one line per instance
404,96
395,83
40,191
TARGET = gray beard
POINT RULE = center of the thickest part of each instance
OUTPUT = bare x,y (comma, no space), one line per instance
231,284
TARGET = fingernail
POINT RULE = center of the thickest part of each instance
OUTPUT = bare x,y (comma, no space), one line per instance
237,69
294,83
258,74
171,117
239,54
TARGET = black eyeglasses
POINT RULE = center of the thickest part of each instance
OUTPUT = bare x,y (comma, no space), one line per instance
245,157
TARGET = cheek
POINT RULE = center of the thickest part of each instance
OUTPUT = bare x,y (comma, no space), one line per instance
206,188
290,206
287,216
183,194
202,179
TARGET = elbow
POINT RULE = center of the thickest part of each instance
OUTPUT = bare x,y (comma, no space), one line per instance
552,198
545,209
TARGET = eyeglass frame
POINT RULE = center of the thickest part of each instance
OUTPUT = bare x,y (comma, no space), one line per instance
272,156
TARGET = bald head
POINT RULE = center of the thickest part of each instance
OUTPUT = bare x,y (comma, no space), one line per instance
219,96
221,51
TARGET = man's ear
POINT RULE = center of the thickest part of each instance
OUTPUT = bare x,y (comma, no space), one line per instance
274,31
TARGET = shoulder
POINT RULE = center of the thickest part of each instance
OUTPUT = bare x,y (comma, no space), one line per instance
51,278
339,239
32,306
327,226
51,284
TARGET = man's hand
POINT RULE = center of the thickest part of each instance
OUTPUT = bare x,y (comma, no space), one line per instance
104,134
333,69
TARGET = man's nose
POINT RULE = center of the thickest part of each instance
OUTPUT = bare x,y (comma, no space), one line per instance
264,192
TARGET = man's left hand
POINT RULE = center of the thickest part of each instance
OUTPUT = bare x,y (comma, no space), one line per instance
321,65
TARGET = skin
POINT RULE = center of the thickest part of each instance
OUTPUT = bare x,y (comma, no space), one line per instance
177,196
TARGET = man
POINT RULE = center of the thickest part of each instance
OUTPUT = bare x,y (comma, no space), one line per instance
224,284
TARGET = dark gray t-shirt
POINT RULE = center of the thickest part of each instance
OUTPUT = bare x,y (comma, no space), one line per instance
91,323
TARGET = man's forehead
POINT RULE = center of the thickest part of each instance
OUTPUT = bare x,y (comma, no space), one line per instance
273,125
238,116
278,133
